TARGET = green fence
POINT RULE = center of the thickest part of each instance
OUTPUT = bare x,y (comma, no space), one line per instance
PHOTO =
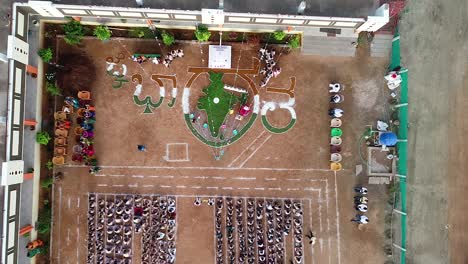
402,135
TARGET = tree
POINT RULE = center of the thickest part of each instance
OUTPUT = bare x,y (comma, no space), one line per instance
49,165
279,35
74,32
47,182
45,54
43,138
102,32
295,42
44,220
142,32
167,38
52,89
202,33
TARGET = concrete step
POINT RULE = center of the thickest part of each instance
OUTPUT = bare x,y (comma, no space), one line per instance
328,46
381,46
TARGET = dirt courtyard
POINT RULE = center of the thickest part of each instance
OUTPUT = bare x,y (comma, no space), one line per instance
260,166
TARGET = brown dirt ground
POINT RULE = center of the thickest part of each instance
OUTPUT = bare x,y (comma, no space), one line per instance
295,162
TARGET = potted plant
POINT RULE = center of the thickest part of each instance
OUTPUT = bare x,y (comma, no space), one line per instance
74,32
202,33
167,38
43,138
45,54
102,32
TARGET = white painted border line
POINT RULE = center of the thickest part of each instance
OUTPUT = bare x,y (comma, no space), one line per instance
255,151
247,148
205,195
199,168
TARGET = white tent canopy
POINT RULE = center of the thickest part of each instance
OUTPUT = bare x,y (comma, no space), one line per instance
219,57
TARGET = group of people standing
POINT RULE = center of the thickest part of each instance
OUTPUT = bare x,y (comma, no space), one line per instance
270,69
360,203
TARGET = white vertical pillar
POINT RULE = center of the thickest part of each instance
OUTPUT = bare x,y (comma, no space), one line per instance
380,19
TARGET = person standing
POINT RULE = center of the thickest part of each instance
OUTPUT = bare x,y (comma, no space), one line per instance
141,148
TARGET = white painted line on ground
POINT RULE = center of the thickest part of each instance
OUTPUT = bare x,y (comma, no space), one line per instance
200,168
102,185
138,176
227,188
153,176
270,179
78,243
59,222
259,188
321,244
69,202
255,151
243,188
310,189
68,236
293,189
199,177
168,176
337,222
116,175
78,203
329,250
100,175
133,185
195,187
247,148
185,177
218,178
148,185
212,188
245,178
289,179
164,186
274,189
118,185
181,186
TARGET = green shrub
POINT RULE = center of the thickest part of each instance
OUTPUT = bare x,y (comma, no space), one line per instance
202,33
43,138
167,38
44,220
47,182
102,32
45,54
49,165
142,32
295,42
74,32
52,89
279,35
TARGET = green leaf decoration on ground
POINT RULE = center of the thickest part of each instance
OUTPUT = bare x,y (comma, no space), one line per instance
216,102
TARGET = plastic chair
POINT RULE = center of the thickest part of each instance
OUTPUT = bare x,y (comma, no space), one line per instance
81,112
61,132
336,141
335,157
58,160
67,109
60,115
78,131
84,95
60,141
336,166
335,149
335,122
336,132
77,149
60,151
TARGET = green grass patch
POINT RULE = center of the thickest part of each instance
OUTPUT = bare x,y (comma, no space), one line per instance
216,102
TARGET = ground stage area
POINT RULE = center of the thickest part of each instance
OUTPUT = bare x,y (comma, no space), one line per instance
260,165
